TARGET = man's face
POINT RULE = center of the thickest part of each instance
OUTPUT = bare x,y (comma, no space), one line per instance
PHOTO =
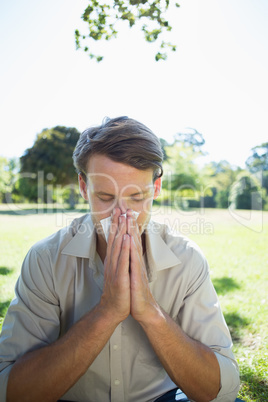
111,184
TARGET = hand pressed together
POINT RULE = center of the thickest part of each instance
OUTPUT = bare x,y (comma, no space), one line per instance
142,302
126,288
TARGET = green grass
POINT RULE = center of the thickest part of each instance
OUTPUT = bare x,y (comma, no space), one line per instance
239,260
236,248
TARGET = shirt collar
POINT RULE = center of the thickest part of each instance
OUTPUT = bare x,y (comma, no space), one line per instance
159,254
83,244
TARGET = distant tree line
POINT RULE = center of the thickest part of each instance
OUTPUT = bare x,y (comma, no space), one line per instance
45,174
190,184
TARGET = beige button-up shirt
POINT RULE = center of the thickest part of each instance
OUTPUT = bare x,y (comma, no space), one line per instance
62,279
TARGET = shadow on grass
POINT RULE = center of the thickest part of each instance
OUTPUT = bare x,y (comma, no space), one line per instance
236,323
5,271
253,386
225,284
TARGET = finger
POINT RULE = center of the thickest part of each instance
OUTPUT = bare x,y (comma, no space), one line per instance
132,227
113,228
133,230
122,227
123,261
117,242
112,233
128,218
135,251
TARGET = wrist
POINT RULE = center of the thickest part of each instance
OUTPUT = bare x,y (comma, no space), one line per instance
153,318
109,313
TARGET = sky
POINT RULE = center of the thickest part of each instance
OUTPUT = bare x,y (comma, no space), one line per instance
216,82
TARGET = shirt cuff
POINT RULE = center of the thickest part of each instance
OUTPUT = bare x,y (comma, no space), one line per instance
230,380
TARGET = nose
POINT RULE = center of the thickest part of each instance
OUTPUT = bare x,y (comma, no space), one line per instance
122,204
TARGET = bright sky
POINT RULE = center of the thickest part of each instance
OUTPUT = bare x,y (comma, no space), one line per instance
216,82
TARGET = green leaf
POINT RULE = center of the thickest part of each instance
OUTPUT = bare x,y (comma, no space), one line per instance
160,56
101,19
77,39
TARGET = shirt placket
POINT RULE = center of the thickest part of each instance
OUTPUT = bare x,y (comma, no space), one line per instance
117,389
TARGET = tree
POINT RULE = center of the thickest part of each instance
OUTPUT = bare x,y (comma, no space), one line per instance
257,164
164,144
181,164
101,17
258,161
49,163
194,140
4,177
182,176
219,177
8,171
246,193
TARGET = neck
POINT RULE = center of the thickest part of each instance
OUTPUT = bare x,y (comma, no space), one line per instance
101,247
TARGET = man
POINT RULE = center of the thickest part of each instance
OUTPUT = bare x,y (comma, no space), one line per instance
135,318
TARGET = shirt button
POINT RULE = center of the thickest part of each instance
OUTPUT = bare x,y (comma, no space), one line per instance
115,347
116,382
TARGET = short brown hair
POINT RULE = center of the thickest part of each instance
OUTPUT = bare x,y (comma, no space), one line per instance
123,140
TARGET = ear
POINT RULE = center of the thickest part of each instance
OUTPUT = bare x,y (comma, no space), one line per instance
83,187
157,187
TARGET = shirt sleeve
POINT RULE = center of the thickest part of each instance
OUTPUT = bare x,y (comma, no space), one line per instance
32,320
201,318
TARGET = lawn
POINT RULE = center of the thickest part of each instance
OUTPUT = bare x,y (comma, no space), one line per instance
235,244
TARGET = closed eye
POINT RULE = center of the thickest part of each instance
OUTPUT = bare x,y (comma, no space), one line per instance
137,199
106,198
140,196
